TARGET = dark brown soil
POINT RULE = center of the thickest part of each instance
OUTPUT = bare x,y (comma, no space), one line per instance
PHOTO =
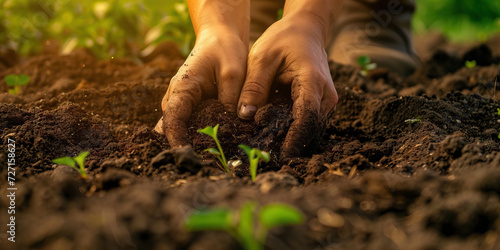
371,180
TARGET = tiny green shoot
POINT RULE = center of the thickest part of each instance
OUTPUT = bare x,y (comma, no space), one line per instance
366,65
470,64
413,120
280,14
254,155
212,131
69,161
14,82
241,224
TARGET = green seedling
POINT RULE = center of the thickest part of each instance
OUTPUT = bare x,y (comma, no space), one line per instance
69,161
14,82
280,14
212,131
254,155
366,65
470,64
414,120
241,224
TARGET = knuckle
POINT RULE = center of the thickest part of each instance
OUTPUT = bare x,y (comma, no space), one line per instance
331,97
260,55
317,76
174,78
231,73
164,102
254,87
254,53
185,93
334,99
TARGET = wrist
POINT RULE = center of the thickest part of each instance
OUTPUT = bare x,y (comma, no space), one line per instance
318,15
231,17
311,27
220,32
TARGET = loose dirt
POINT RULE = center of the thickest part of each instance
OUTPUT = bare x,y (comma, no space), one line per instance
371,180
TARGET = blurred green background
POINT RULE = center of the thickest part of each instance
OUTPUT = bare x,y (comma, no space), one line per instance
135,27
112,28
459,20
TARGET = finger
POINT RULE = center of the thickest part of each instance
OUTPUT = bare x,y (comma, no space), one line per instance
306,110
231,80
183,95
261,71
329,100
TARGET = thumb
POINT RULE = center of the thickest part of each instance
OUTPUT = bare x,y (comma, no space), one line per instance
261,72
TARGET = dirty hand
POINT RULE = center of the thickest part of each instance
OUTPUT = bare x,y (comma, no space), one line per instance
292,51
215,68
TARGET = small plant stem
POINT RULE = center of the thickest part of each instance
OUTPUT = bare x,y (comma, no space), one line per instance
260,237
253,167
83,174
224,163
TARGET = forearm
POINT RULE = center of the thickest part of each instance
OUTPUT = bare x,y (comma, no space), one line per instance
321,13
233,15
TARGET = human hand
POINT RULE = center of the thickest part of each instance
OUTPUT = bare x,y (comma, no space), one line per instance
215,68
292,52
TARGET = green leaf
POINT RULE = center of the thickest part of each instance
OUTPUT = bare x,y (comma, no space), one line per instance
363,60
280,14
23,79
246,226
81,158
245,148
273,215
65,161
498,111
265,156
213,151
11,80
215,219
470,64
211,131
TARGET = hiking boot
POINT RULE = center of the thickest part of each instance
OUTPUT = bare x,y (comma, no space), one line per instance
379,29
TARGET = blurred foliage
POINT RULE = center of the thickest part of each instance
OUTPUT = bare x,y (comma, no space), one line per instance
459,20
112,28
116,28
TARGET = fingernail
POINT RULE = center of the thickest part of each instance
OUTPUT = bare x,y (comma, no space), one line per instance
231,108
159,126
247,112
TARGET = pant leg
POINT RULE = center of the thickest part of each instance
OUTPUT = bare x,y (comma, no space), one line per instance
263,13
380,29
